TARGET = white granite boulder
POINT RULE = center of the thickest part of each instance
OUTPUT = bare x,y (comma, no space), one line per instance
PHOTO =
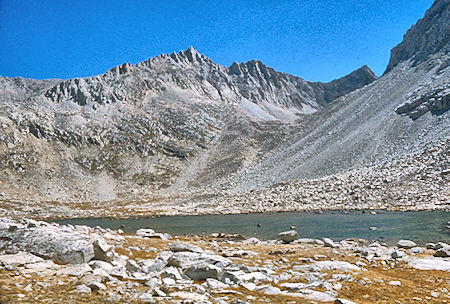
181,246
406,244
62,244
288,236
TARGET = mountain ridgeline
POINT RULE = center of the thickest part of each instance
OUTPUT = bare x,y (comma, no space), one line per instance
276,95
182,128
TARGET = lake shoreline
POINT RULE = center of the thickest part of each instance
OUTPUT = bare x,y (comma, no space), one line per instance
381,225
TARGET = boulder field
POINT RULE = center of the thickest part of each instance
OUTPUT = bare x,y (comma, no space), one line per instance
47,262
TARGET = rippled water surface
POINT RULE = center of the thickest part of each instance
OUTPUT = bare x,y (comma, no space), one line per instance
390,226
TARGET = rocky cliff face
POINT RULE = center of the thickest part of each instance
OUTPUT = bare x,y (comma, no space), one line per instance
426,41
428,36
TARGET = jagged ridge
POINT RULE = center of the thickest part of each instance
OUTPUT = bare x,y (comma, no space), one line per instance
188,70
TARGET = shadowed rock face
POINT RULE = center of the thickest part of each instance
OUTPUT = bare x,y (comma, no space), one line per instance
428,36
342,86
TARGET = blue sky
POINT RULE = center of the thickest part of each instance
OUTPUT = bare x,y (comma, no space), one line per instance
318,40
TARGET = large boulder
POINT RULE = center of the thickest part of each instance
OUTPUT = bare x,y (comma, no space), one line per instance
430,264
150,233
18,259
406,244
203,272
180,247
329,243
62,244
288,236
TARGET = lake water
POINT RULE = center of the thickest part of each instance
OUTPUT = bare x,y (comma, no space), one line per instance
390,226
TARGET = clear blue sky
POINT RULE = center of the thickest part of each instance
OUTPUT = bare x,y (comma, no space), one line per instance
318,40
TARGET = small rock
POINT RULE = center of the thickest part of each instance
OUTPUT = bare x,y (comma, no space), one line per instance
146,298
96,286
443,251
440,245
252,240
83,289
171,273
145,232
249,286
397,254
132,266
434,294
395,283
309,241
159,293
215,284
430,245
103,251
28,288
415,250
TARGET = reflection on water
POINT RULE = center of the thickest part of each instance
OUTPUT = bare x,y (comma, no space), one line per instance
390,226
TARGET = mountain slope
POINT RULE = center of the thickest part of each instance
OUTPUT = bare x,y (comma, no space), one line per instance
185,134
132,130
361,129
364,127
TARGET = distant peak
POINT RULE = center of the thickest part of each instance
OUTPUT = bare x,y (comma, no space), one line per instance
365,69
191,50
191,54
346,84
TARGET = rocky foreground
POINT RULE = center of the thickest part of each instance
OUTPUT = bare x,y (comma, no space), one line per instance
42,262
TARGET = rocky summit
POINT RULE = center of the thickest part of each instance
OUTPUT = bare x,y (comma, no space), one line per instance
179,134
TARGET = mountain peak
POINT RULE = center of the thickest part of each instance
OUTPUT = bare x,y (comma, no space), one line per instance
366,70
346,84
191,55
191,50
